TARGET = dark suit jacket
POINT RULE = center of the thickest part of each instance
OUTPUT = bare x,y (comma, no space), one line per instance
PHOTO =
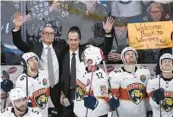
162,51
37,48
65,78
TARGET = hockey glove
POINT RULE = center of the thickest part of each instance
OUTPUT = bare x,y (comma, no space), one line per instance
90,102
6,85
53,112
158,95
149,113
113,103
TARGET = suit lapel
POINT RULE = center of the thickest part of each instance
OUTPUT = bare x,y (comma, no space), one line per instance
39,49
55,49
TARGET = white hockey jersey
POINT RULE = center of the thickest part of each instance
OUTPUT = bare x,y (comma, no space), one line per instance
99,89
9,112
38,91
130,88
167,103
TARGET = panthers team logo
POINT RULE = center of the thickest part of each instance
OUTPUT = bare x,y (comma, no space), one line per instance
136,92
143,78
41,98
104,90
80,90
167,103
44,81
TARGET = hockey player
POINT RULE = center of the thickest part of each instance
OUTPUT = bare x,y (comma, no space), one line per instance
160,89
91,86
36,83
19,101
129,85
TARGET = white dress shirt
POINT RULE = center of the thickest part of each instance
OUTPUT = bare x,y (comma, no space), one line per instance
76,56
43,61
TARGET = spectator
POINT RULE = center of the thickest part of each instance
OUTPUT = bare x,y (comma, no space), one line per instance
167,5
116,40
156,13
132,10
41,49
70,62
98,39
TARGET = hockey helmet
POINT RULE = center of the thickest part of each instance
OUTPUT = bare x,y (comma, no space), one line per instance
17,93
93,53
165,56
125,50
27,56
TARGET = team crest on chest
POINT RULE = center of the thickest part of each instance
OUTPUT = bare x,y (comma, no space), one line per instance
41,98
80,90
167,103
44,81
143,78
104,91
136,92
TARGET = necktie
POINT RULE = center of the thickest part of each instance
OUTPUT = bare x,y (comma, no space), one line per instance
50,67
73,71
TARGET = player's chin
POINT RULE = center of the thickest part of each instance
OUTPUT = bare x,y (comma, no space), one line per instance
23,108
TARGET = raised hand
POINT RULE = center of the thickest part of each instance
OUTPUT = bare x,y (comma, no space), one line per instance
108,24
19,20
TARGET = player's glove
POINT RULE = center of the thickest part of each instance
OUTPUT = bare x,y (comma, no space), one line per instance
53,112
158,95
90,102
113,103
6,85
149,113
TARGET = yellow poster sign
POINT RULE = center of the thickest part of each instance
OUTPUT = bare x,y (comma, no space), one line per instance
150,35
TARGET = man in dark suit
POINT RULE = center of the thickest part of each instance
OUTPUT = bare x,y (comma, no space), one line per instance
73,51
44,48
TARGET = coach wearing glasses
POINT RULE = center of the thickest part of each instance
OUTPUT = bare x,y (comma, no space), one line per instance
48,50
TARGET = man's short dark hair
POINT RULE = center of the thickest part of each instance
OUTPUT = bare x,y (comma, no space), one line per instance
75,29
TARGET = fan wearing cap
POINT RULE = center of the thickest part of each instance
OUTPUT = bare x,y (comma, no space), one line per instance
129,85
19,105
91,85
160,89
35,82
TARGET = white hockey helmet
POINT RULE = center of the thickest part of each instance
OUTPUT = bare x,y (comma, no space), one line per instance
17,93
128,49
165,56
93,53
27,56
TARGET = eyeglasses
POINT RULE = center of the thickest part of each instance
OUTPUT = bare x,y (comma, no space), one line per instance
49,33
155,12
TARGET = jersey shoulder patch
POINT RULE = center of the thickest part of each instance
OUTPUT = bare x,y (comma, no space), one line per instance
118,71
22,77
